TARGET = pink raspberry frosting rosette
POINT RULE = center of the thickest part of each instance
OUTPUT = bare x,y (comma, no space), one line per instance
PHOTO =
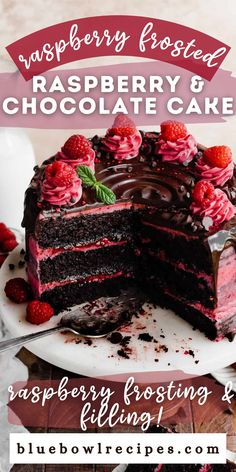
216,175
61,185
86,160
182,150
219,209
122,147
62,195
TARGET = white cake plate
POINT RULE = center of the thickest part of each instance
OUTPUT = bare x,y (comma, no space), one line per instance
176,348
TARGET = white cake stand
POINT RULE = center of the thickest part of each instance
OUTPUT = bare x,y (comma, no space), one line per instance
176,351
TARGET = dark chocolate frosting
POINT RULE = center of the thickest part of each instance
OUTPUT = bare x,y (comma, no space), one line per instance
163,188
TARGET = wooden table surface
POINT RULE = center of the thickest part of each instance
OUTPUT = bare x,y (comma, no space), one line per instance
206,422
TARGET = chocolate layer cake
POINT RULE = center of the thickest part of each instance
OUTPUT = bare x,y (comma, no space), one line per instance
152,209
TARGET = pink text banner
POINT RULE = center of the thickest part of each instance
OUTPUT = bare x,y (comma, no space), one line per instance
53,103
118,35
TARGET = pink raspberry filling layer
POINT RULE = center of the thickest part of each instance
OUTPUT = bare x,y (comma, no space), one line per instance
38,288
39,253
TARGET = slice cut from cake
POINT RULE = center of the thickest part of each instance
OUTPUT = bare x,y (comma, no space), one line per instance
149,209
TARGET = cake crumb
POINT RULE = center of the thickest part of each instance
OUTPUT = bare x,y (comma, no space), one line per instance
125,341
145,337
122,353
142,312
21,264
161,348
189,353
115,337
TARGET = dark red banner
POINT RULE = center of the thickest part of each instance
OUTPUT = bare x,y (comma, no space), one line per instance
82,403
118,35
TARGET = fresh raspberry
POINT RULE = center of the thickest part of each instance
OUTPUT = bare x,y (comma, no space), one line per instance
5,233
124,132
173,130
122,126
60,174
38,312
218,156
9,244
123,121
17,290
2,259
76,147
2,228
203,193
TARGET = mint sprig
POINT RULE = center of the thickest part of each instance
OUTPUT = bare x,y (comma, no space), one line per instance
103,193
87,176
